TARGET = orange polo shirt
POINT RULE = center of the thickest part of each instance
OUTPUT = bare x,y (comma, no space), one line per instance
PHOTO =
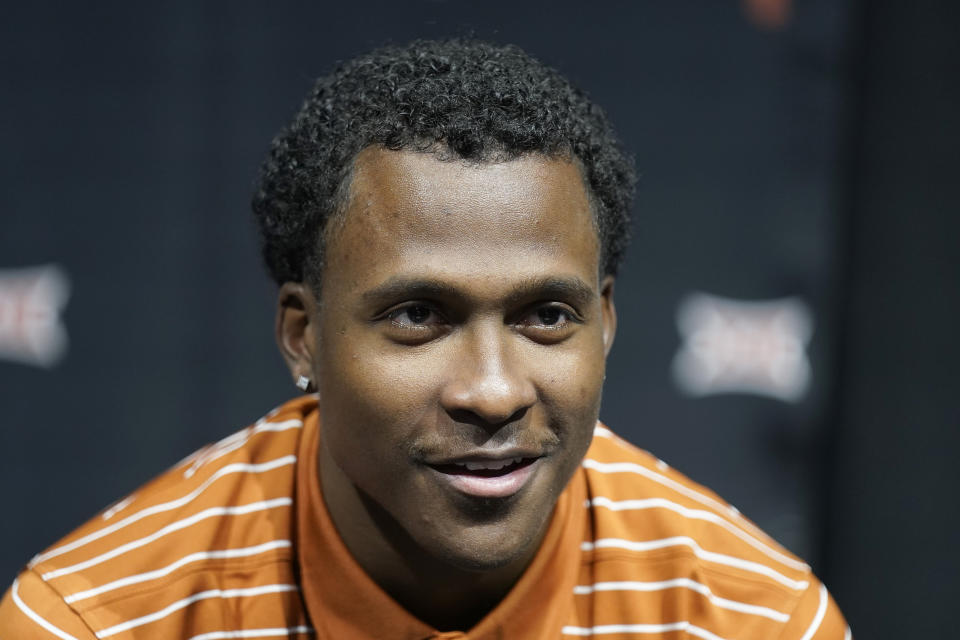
235,542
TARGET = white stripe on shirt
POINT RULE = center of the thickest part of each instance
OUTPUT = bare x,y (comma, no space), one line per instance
640,628
170,568
694,514
236,440
253,633
709,556
176,526
703,589
818,618
723,509
165,506
33,616
603,432
186,602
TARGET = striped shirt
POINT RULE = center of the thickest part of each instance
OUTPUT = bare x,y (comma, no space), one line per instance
235,542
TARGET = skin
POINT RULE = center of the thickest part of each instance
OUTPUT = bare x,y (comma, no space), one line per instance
462,312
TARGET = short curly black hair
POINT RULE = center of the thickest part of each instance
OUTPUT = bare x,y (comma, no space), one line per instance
475,100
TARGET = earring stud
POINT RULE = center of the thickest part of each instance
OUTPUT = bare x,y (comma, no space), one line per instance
303,383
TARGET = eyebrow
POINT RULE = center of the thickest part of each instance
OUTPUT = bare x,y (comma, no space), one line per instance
567,288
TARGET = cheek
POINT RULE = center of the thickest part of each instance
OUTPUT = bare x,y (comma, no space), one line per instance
376,382
573,399
576,376
371,403
363,428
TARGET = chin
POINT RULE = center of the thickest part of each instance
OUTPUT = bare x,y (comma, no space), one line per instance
485,558
488,547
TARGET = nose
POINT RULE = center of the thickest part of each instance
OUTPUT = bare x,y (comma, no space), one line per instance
489,378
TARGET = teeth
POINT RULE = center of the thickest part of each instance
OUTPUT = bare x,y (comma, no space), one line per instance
491,465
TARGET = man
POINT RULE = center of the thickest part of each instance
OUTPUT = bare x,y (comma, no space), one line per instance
444,222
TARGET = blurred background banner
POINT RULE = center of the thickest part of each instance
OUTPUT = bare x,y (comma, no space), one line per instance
789,310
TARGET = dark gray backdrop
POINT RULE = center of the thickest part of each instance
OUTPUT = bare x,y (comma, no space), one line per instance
815,161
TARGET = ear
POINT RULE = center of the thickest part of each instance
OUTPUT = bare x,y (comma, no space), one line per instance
609,313
296,308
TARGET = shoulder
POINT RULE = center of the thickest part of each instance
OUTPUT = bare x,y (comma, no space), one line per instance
653,532
220,519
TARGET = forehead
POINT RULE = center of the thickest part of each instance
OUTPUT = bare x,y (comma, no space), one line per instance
411,211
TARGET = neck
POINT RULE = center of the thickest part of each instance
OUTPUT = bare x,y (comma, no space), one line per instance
438,593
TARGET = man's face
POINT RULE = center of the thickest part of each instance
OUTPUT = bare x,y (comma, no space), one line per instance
459,348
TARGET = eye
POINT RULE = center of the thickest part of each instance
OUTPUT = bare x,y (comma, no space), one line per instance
415,323
551,316
549,323
415,314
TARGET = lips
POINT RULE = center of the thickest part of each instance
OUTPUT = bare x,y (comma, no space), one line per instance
485,477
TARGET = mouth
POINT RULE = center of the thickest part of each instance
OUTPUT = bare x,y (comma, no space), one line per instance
488,477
